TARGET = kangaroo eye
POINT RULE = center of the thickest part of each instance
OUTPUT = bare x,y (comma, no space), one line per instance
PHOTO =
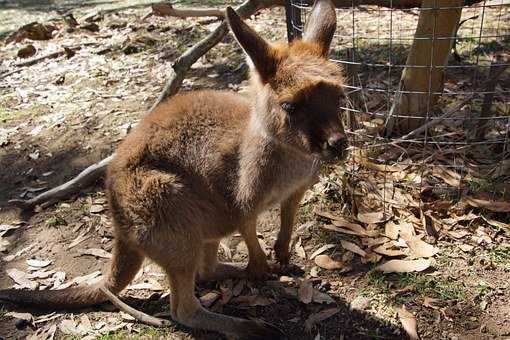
288,107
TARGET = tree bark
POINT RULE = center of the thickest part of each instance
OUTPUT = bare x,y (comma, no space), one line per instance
422,77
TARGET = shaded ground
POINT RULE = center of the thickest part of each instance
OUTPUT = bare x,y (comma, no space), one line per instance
60,115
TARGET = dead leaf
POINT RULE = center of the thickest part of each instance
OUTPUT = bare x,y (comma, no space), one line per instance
86,278
371,257
321,250
226,251
305,291
404,266
153,285
429,302
96,208
78,240
353,248
22,316
68,327
421,248
320,316
388,250
408,321
504,226
340,230
44,333
22,279
5,228
97,252
326,214
9,258
300,251
458,234
326,262
356,228
391,230
371,217
38,263
41,274
498,206
466,247
252,300
320,297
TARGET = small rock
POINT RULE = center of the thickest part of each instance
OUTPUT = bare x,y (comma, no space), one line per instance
27,51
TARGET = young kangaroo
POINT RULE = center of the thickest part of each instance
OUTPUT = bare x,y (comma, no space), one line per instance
205,164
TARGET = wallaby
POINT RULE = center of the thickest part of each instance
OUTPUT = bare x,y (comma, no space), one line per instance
205,164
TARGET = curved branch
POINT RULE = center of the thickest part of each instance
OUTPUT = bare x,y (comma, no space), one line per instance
138,315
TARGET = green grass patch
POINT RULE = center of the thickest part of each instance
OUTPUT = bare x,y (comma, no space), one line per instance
436,287
499,256
55,221
146,332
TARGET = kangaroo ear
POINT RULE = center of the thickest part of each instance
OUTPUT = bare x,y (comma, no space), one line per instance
321,25
259,51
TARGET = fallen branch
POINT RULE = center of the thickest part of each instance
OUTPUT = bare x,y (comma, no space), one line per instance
84,179
138,315
172,86
163,9
67,51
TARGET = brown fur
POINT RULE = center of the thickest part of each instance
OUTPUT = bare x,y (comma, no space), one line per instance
205,164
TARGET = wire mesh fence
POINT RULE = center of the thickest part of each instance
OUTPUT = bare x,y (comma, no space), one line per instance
455,144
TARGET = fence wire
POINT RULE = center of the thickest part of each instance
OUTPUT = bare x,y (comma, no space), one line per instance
462,147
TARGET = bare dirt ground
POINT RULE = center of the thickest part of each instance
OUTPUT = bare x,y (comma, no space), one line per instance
62,114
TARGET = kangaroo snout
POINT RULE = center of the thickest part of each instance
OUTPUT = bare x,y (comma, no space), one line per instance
336,146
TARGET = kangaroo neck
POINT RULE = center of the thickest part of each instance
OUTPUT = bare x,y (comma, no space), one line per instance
269,170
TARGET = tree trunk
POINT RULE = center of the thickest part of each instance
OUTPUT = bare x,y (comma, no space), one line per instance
423,75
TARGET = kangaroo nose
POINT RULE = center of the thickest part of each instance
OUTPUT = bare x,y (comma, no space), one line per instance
337,141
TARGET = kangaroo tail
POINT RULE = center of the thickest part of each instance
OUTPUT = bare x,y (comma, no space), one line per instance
126,262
